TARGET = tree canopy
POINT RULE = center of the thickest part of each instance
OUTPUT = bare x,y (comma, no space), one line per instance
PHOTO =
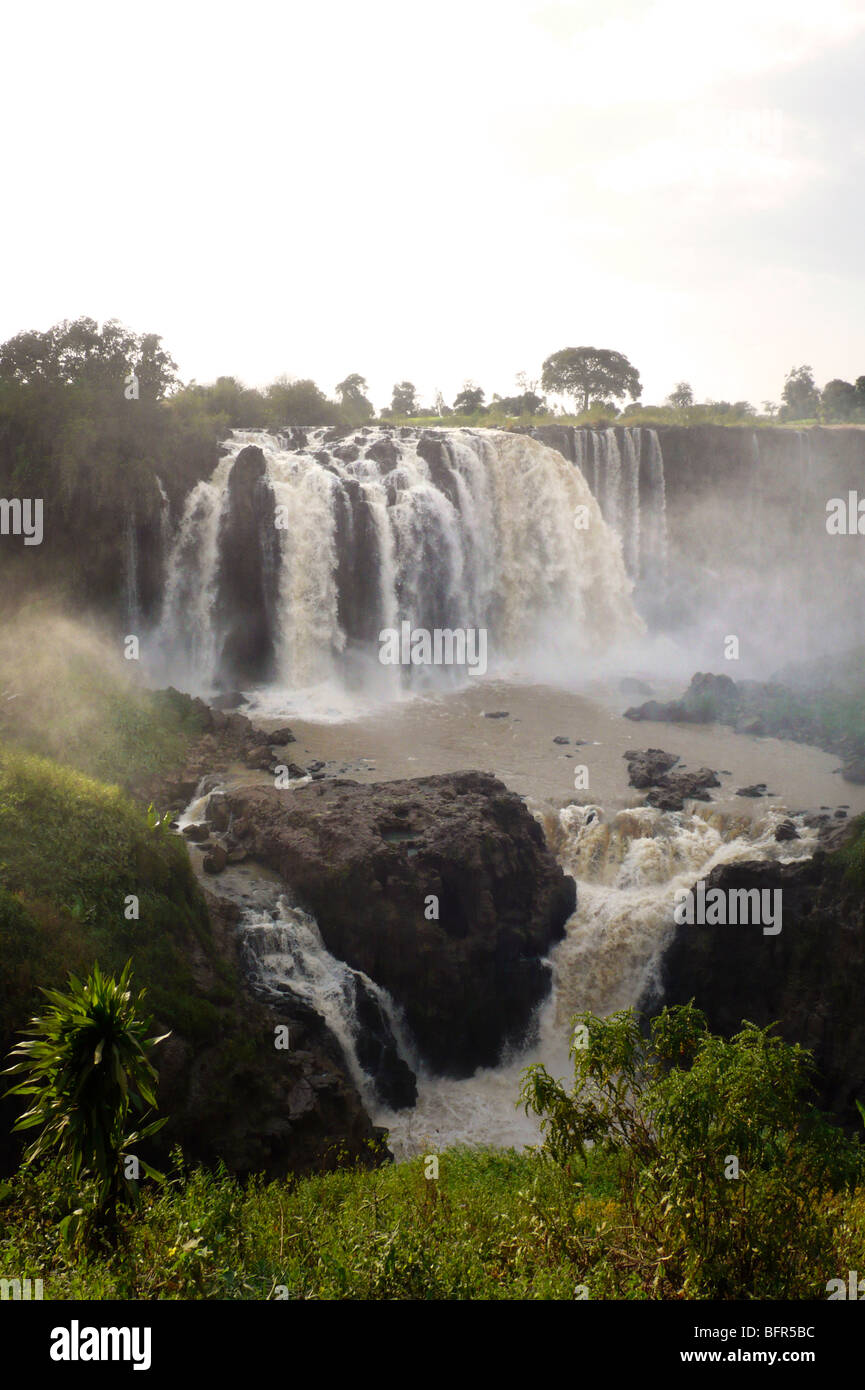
82,353
591,374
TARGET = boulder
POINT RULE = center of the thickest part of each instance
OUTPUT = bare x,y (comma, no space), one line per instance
231,700
647,767
215,860
440,889
809,978
197,833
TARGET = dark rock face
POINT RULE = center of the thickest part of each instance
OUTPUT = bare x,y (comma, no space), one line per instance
377,1051
367,860
240,1099
668,790
247,580
810,978
646,768
707,699
676,788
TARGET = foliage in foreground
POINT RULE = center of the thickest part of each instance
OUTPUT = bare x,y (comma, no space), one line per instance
630,1196
725,1165
84,1065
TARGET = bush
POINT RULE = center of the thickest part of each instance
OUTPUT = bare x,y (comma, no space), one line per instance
723,1158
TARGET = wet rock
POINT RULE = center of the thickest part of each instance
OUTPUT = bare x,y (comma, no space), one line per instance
496,714
232,699
378,1053
217,812
280,737
197,833
259,757
786,831
654,710
645,768
368,860
758,789
560,738
709,698
215,860
808,979
673,789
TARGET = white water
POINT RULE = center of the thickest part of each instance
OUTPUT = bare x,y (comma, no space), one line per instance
627,867
284,946
484,536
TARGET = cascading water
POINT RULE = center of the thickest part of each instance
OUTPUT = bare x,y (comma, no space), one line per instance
627,868
624,468
285,954
444,529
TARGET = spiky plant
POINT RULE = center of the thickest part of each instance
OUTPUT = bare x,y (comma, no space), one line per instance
85,1064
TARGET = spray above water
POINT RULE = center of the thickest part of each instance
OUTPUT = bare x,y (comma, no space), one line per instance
339,537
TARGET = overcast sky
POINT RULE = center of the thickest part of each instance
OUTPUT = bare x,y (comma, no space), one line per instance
446,191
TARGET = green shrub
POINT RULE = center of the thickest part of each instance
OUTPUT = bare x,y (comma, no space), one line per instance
723,1157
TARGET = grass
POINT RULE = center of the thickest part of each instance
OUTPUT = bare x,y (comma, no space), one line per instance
496,1224
597,417
72,851
67,693
389,1233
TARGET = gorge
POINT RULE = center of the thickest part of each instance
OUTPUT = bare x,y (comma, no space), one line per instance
266,586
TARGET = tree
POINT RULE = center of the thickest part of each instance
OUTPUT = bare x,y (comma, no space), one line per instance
801,399
352,395
470,400
404,400
81,353
841,400
682,397
293,402
529,403
736,410
590,374
85,1065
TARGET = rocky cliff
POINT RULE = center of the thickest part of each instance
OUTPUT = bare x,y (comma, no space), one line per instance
441,889
810,977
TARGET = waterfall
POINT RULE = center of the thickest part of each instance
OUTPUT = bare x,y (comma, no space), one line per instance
284,953
130,576
628,866
631,500
366,529
624,469
653,556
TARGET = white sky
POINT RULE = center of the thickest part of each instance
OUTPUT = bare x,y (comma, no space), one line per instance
443,192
